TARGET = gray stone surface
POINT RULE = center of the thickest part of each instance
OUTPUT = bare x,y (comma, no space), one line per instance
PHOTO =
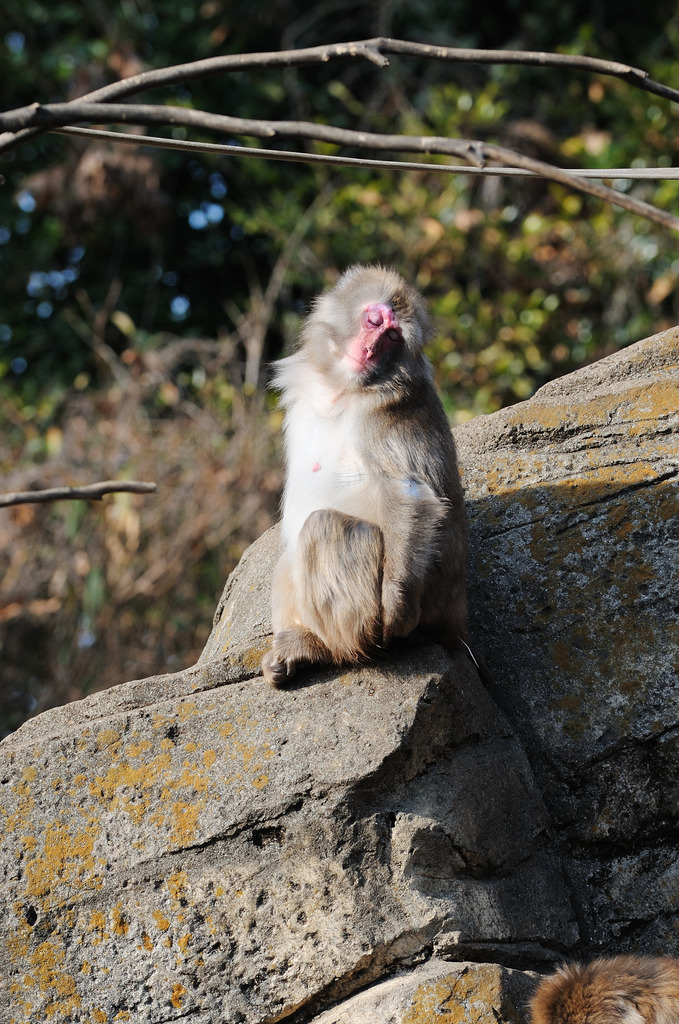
199,846
574,506
241,851
463,993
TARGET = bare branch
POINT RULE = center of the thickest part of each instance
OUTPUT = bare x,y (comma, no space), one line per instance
474,152
24,122
373,50
90,491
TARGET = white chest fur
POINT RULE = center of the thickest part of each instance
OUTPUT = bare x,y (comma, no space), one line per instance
325,468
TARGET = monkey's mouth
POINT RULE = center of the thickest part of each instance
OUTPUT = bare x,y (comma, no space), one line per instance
383,346
392,336
376,352
379,336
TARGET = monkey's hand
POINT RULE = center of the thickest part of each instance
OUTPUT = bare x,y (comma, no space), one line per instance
400,610
412,523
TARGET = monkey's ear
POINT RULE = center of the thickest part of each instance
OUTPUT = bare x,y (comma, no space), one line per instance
333,338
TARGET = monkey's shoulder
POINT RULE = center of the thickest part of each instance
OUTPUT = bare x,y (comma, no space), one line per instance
411,435
416,406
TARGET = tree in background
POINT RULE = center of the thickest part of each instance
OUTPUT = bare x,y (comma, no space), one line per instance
144,292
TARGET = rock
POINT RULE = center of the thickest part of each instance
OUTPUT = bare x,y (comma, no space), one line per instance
242,624
239,851
466,993
574,506
199,845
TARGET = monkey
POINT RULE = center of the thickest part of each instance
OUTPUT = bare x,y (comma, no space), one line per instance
373,528
618,990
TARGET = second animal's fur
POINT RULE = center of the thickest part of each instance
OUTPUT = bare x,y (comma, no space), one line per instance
618,990
373,528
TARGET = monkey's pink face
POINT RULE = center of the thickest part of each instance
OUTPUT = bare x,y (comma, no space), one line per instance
377,338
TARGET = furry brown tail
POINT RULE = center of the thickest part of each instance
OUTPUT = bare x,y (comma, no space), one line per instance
619,990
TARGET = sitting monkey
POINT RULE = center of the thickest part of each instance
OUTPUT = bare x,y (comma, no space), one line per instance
373,530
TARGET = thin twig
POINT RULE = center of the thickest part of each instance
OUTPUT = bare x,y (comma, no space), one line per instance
294,156
90,491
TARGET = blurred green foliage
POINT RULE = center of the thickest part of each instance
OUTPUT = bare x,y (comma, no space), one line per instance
144,292
526,280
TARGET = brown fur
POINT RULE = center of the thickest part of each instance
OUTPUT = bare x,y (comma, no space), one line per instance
620,990
388,553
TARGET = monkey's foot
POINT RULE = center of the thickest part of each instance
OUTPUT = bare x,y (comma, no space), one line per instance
291,649
275,672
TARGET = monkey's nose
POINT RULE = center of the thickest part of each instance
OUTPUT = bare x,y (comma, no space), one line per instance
378,314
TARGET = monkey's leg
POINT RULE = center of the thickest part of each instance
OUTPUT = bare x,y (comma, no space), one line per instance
338,582
293,645
326,599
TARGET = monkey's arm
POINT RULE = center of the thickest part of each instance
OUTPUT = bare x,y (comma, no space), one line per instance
422,516
413,519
